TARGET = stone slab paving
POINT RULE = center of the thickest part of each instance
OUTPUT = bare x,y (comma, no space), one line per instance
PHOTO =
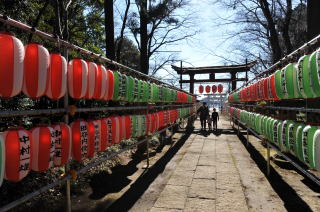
209,178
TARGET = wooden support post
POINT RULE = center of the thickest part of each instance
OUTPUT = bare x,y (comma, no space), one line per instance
148,161
268,158
247,137
181,75
67,165
238,127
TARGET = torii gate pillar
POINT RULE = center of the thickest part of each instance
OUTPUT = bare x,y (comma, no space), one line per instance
233,81
191,83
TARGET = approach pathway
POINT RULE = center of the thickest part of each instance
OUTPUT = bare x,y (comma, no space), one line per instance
215,173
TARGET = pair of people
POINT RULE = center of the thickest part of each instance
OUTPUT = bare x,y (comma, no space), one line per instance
205,117
213,120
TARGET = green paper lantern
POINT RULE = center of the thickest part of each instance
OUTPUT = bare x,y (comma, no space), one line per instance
304,77
314,67
278,83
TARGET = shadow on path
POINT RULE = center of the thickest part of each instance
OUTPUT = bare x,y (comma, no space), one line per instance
217,132
136,190
104,183
292,201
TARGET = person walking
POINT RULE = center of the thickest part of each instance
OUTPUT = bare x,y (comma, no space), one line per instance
209,120
215,119
204,113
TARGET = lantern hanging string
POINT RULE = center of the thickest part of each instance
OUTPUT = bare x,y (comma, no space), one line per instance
9,21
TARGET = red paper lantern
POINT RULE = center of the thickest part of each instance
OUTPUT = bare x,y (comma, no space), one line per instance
155,122
77,78
122,128
94,137
62,136
79,132
43,140
101,83
178,96
208,88
110,85
200,88
265,89
57,77
18,151
2,159
148,123
256,91
161,120
273,87
113,133
166,117
36,64
128,126
11,65
214,89
92,79
104,143
158,121
220,88
116,138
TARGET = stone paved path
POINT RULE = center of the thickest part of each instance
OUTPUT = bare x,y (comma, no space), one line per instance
217,174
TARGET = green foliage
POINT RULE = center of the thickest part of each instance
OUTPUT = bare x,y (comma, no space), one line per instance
129,54
86,29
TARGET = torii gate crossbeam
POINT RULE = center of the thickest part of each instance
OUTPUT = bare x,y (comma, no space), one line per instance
212,70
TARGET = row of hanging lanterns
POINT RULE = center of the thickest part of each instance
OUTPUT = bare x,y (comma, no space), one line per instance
296,80
44,146
208,88
36,72
300,139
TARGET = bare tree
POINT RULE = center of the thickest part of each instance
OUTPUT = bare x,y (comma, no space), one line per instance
267,28
119,40
157,24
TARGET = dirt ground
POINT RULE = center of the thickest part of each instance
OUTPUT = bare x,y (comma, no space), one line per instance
201,172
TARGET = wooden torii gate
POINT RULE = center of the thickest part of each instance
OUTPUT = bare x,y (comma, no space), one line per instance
212,70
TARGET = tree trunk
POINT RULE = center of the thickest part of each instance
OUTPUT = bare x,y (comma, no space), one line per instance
287,21
313,16
109,29
35,24
144,60
119,46
273,38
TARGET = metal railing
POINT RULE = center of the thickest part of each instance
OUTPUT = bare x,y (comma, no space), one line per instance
68,176
19,113
65,111
54,38
307,173
299,109
313,43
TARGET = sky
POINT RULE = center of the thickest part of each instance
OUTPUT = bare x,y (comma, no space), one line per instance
208,42
202,49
